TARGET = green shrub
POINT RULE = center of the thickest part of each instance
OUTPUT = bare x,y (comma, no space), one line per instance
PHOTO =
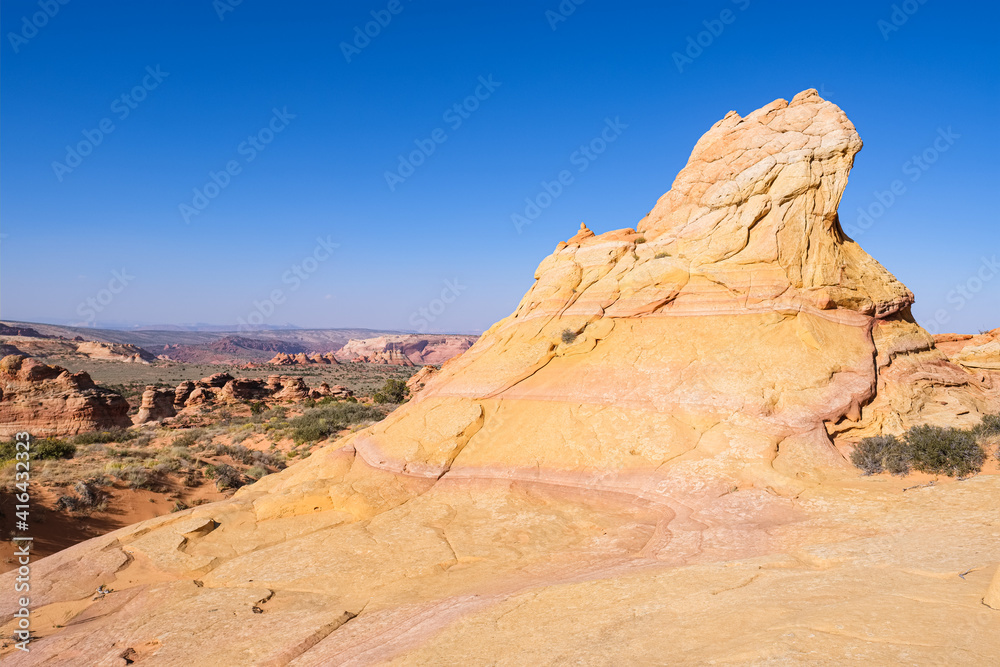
320,422
884,453
640,240
946,451
394,391
225,476
661,255
256,472
989,426
189,438
931,449
40,449
104,437
52,449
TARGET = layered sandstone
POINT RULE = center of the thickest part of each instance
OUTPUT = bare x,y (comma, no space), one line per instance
644,463
125,352
157,404
282,359
406,349
49,401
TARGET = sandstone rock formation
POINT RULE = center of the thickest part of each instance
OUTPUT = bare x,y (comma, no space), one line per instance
115,352
641,465
405,349
49,401
282,359
157,405
223,388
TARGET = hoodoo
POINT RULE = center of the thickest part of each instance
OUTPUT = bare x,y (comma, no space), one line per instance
644,463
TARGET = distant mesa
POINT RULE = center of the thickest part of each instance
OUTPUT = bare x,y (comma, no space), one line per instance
116,352
10,330
390,350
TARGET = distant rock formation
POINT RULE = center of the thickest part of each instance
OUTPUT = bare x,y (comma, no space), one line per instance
10,330
125,352
302,359
49,401
157,404
237,344
406,349
223,388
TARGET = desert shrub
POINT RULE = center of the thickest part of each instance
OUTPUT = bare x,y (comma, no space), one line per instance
257,407
989,426
87,496
946,451
104,437
225,476
661,255
394,391
135,476
320,422
52,449
179,506
568,336
640,240
189,439
884,453
256,472
67,504
240,436
40,449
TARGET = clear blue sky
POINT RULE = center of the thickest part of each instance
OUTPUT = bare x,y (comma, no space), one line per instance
323,175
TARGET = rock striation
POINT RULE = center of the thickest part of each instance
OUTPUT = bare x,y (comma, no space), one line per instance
125,352
49,401
649,450
405,349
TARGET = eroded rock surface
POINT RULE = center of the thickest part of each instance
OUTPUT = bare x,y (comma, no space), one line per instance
49,401
642,464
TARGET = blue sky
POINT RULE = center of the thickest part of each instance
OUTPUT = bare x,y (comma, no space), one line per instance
323,125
